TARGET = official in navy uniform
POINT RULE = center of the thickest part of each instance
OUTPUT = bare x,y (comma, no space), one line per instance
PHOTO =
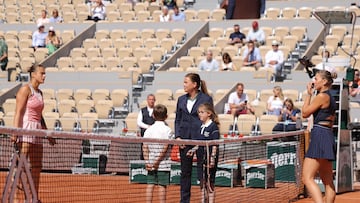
187,125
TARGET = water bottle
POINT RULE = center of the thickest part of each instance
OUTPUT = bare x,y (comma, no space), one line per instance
298,122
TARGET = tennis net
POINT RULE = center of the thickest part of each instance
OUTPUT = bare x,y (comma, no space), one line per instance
86,167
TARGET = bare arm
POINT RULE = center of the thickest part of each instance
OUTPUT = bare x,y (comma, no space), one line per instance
318,102
21,100
160,157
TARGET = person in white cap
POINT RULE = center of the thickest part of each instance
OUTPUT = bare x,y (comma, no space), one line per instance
274,58
39,37
52,41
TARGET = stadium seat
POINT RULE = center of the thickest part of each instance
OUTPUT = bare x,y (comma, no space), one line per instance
84,106
267,123
288,12
51,120
185,61
48,93
81,94
80,62
151,42
131,123
170,105
9,105
162,33
196,52
218,14
291,94
62,94
272,13
88,122
104,109
65,106
100,94
69,121
245,123
119,97
90,43
305,12
203,14
179,35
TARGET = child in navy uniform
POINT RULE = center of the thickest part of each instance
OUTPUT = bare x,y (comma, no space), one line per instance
207,159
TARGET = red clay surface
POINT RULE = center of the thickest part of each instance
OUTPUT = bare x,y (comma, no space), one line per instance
117,188
107,188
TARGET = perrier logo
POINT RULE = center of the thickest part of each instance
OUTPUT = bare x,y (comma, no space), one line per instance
253,175
283,159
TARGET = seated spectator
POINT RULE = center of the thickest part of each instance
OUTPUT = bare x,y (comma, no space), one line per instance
178,15
209,63
287,117
256,34
324,64
98,11
354,87
237,37
55,18
52,41
3,53
239,102
39,37
226,64
274,59
275,102
170,4
43,19
165,16
251,56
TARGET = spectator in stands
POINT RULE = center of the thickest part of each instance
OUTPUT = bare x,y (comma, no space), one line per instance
28,115
239,102
288,117
165,16
274,58
237,37
256,34
354,87
55,18
275,102
39,37
157,157
178,15
226,64
145,117
52,41
209,63
3,53
170,4
188,124
321,151
43,19
251,56
98,11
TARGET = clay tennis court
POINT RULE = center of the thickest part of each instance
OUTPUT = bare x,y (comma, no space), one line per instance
117,188
64,188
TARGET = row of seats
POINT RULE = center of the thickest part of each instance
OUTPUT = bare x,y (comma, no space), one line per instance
262,95
143,64
69,121
245,123
177,33
303,12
